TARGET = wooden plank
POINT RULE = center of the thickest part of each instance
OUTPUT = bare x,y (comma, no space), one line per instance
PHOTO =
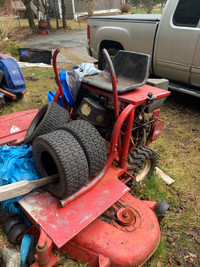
166,178
23,187
8,94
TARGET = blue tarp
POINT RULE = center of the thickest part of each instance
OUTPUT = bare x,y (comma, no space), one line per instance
16,164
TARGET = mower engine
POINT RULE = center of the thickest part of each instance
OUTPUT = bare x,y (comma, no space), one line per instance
98,109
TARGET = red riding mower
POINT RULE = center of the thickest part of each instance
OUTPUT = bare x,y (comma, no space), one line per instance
96,220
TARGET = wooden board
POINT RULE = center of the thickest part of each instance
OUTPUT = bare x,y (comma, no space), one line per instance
8,94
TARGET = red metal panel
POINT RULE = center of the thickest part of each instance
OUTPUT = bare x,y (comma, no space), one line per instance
137,96
62,224
121,246
18,122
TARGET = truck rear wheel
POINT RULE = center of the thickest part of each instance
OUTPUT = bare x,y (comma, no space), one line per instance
112,51
142,162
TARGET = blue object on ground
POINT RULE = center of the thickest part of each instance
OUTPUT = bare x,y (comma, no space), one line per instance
16,164
13,79
26,246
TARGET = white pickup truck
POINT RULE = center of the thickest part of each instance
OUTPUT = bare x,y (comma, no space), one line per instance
172,39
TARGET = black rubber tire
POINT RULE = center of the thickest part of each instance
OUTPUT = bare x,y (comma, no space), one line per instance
59,152
137,160
112,51
16,231
10,222
48,119
91,142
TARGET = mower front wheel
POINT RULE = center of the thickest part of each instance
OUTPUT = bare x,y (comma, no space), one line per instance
142,162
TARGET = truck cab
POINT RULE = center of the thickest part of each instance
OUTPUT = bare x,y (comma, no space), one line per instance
171,39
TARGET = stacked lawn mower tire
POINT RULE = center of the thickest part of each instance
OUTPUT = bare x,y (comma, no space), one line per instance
50,118
72,149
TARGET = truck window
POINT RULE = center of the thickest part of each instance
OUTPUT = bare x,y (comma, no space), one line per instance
187,13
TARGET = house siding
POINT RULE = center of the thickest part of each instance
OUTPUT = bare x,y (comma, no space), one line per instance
100,5
80,7
69,10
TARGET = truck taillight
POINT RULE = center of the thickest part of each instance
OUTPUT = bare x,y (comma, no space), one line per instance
88,33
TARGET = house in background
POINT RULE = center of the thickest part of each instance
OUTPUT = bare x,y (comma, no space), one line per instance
76,8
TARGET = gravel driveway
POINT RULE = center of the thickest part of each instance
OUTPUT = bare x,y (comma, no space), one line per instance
71,44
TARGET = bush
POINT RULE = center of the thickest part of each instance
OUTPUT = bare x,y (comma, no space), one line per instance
11,47
125,8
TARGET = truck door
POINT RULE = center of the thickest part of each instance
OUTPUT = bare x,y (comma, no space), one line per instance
177,39
195,70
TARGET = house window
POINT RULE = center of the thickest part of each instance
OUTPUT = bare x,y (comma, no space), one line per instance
187,13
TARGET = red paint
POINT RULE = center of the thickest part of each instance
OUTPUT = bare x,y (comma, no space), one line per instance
21,120
88,33
122,248
137,96
62,224
151,204
127,137
42,27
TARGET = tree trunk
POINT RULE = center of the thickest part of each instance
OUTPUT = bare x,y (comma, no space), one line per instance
47,17
55,4
150,7
29,15
64,14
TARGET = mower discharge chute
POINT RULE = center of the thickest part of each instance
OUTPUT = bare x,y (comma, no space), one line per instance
101,223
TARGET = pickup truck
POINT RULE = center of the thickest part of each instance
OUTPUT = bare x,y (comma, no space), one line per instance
172,39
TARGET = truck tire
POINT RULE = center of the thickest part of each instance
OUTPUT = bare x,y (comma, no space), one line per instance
112,51
10,222
142,162
48,119
16,231
91,142
59,152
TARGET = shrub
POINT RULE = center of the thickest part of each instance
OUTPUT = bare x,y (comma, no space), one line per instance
11,47
125,8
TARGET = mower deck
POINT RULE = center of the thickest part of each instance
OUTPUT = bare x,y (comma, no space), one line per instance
106,242
62,224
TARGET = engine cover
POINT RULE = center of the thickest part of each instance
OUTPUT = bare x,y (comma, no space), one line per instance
92,111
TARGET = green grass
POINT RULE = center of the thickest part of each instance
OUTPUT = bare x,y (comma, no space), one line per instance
142,11
12,23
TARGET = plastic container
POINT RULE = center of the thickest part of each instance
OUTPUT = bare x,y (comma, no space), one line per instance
34,55
42,27
23,54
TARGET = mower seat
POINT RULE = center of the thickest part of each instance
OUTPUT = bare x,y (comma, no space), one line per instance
131,70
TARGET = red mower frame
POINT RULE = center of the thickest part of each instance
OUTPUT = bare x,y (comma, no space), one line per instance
42,209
